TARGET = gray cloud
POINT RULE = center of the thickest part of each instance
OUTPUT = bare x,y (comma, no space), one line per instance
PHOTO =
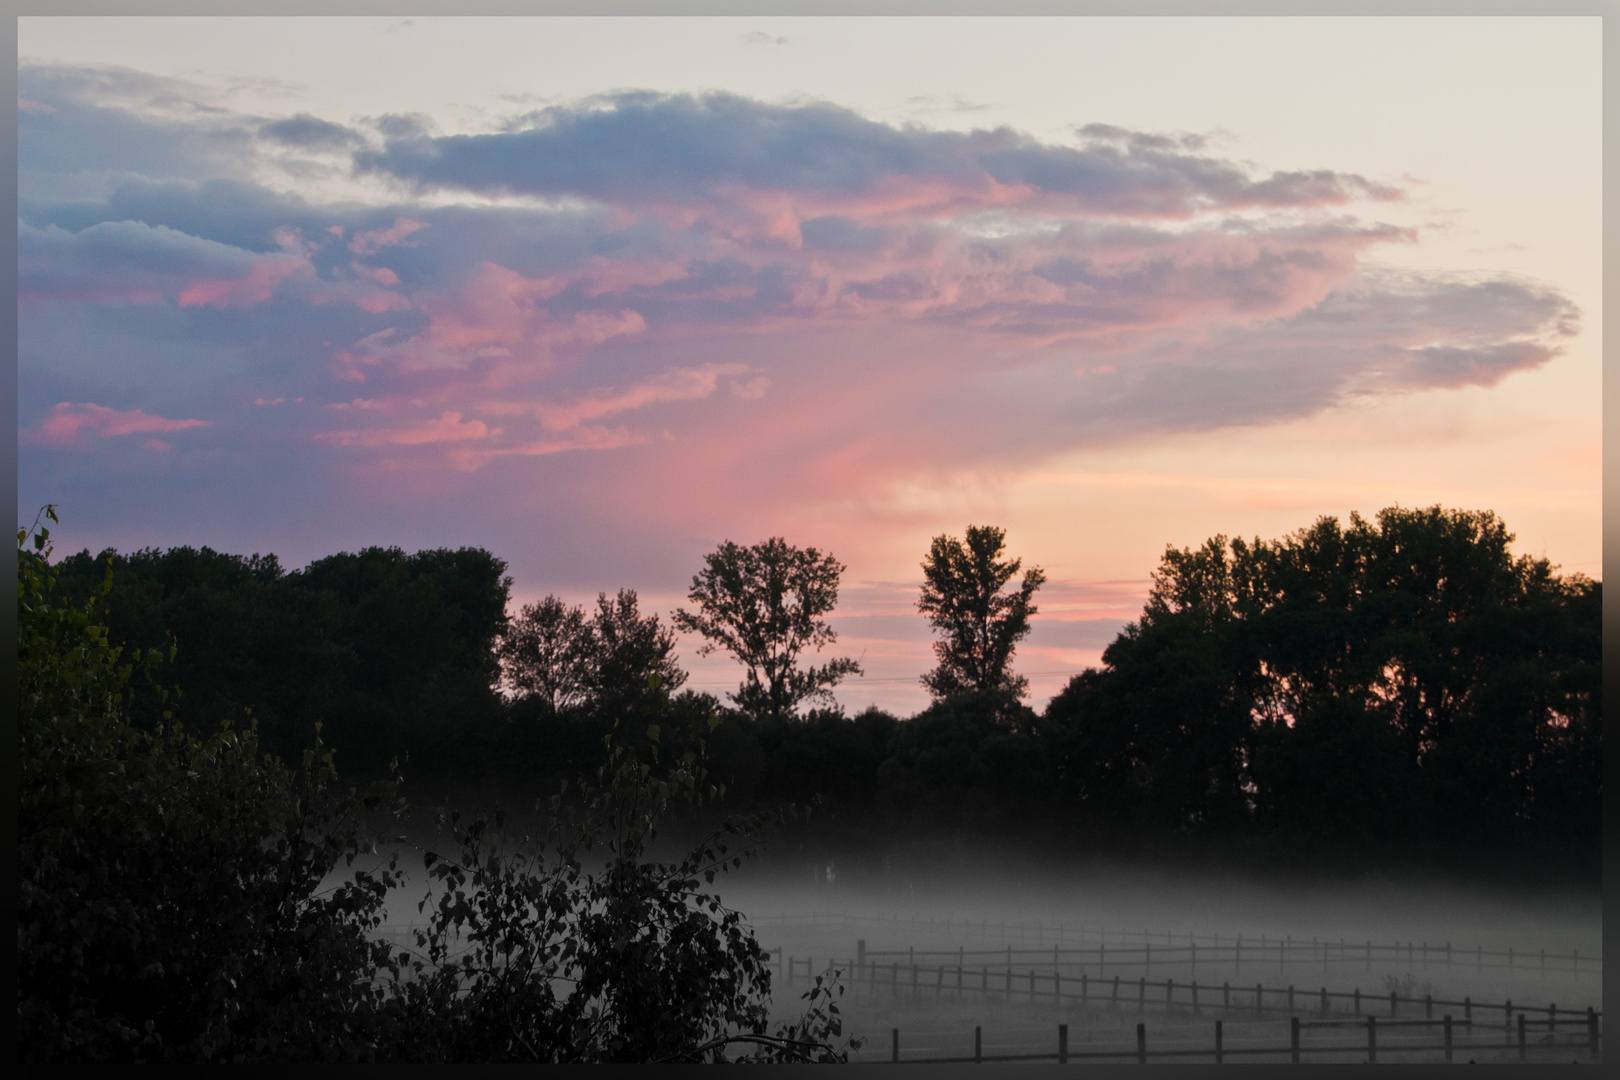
639,146
308,132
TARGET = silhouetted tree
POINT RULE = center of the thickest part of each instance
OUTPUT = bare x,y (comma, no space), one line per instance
1338,685
962,597
763,604
600,662
545,653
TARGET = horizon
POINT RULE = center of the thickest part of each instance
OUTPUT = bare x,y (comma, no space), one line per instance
597,294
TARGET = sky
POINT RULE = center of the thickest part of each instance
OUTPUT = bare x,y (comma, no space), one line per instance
598,294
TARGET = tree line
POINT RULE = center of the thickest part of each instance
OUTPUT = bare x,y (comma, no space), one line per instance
187,898
1395,687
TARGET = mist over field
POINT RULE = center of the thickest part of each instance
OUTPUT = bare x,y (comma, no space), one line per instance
1415,934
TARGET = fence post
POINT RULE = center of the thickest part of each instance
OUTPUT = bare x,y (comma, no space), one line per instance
1219,1058
1521,1037
1372,1040
1428,1006
1392,1001
1293,1038
1141,1044
1448,1038
978,1045
1063,1044
1591,1032
1324,1001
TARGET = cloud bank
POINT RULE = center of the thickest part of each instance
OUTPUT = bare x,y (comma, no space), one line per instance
706,301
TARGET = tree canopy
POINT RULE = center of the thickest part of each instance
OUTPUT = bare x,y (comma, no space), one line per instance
764,605
981,625
601,662
176,902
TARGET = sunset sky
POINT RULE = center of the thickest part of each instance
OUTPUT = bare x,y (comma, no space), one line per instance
597,294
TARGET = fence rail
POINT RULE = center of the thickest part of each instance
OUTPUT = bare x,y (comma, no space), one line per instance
1055,986
1145,948
1297,1048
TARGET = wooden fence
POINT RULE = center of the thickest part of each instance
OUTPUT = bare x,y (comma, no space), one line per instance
1447,1047
1102,947
1054,986
1235,952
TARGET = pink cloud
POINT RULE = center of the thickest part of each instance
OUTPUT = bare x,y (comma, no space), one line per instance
67,420
255,287
367,243
38,108
685,384
448,427
586,438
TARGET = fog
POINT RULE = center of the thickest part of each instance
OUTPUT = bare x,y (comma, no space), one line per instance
1367,933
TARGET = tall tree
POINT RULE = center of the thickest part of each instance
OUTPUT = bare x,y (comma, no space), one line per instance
600,662
962,597
546,651
763,604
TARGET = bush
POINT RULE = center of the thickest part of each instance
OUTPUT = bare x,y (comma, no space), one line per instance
169,901
172,906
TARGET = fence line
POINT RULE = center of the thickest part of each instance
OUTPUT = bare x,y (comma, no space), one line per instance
1187,948
1052,985
1297,1048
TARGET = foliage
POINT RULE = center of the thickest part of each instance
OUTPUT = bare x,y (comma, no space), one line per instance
962,597
170,905
177,899
634,962
1336,685
391,652
597,663
972,763
763,604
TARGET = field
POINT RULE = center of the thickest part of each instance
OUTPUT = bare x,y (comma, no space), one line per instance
1007,957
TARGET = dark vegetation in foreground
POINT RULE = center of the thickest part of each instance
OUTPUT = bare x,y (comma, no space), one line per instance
1396,692
176,902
